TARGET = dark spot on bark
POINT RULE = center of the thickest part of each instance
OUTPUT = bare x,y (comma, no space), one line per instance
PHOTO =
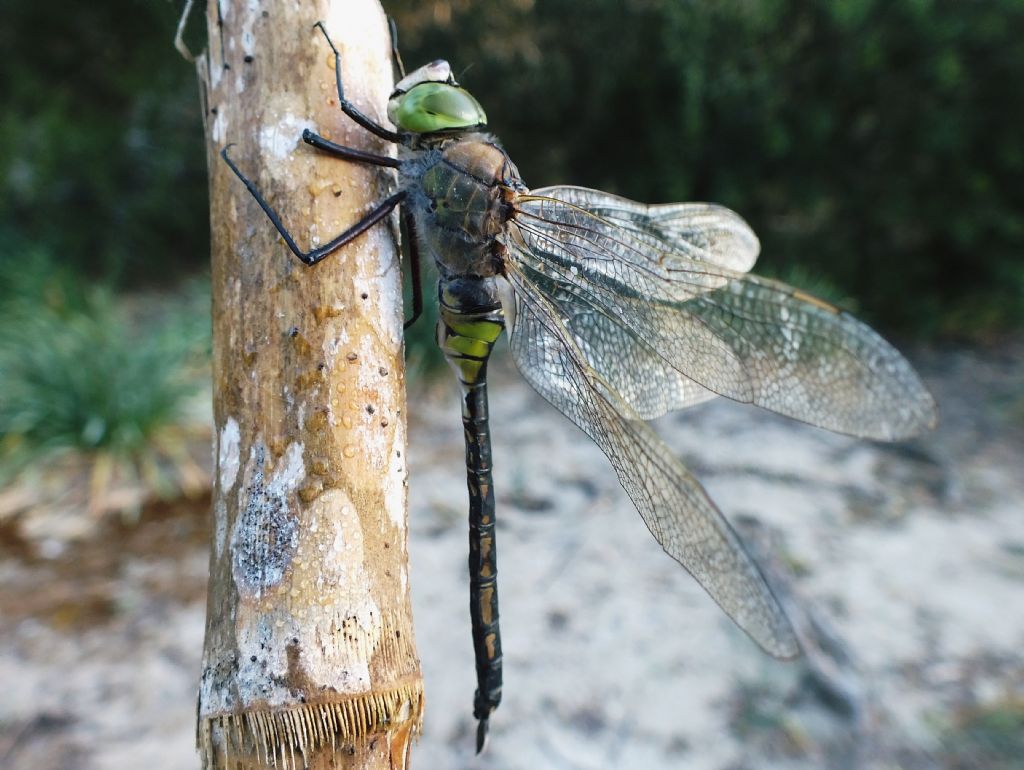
351,356
297,678
293,332
265,536
364,295
369,409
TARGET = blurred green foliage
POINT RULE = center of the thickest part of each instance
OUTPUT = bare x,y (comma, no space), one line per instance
876,144
102,162
85,372
873,145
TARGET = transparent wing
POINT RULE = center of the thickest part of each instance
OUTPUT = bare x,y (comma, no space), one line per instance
702,232
619,287
637,374
672,503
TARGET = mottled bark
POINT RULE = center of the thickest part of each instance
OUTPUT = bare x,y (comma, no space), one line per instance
309,654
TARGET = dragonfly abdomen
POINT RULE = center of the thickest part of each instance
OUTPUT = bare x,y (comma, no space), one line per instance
483,566
471,320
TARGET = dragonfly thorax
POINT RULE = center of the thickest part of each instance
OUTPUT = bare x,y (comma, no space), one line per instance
459,193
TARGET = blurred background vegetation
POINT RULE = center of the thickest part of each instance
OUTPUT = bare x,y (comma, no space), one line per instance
875,146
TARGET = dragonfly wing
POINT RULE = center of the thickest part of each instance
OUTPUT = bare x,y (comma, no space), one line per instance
624,361
703,232
672,503
751,339
809,360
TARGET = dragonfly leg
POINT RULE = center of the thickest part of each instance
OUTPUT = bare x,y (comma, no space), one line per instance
350,109
313,256
414,267
348,153
396,58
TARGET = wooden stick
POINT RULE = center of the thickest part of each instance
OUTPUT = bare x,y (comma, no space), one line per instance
310,658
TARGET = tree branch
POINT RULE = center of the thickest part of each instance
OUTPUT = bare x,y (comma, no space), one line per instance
309,654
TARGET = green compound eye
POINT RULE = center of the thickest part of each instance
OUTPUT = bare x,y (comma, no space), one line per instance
437,106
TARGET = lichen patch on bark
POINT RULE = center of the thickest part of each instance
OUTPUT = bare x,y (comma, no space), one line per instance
265,534
330,569
282,137
397,478
227,454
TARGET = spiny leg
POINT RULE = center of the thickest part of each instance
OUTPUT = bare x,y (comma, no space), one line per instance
359,156
313,256
414,267
350,109
348,153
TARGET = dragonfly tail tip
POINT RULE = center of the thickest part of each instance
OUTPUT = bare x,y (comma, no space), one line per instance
481,735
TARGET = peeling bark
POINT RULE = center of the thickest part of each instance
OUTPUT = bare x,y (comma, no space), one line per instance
309,657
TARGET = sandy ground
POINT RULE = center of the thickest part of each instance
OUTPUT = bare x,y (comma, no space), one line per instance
904,566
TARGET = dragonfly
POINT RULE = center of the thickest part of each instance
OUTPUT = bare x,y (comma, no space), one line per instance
616,312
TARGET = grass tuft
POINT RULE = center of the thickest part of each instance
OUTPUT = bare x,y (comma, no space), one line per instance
89,383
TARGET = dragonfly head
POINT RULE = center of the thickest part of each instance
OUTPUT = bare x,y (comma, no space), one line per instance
429,100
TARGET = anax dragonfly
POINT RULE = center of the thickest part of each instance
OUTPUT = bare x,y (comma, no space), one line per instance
617,312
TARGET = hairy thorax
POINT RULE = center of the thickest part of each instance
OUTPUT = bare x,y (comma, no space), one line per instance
460,192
